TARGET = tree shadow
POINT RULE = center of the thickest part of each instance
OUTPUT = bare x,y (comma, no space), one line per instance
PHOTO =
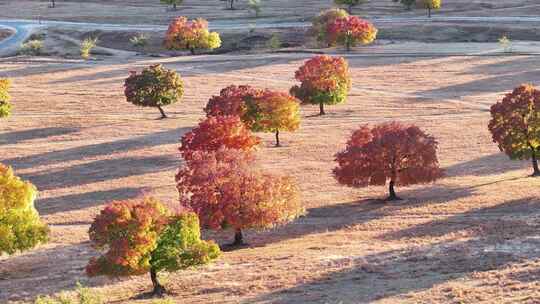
11,138
124,145
84,200
493,164
99,171
45,271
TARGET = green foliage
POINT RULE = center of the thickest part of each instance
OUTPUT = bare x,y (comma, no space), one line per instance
20,225
32,47
506,44
350,3
155,86
5,106
86,47
140,40
320,24
174,3
255,6
406,3
84,295
274,42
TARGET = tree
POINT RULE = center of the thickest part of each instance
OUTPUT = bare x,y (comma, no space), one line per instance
174,3
272,111
191,35
324,80
227,190
155,86
20,226
349,3
320,24
407,3
429,5
231,4
53,3
230,101
5,105
351,31
515,124
216,132
402,154
141,236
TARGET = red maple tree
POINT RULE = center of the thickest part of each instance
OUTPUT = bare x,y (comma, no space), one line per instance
216,132
230,101
401,154
350,31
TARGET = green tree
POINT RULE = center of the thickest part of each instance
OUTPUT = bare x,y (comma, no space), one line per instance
20,226
155,86
174,3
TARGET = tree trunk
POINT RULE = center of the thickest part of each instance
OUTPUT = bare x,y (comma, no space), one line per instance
174,6
429,12
192,51
536,171
392,196
350,9
232,3
321,109
277,139
348,44
53,3
163,115
238,238
159,290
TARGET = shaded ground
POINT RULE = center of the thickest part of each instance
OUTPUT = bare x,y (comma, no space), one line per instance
470,238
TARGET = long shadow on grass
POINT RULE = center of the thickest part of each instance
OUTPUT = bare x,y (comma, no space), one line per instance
101,170
46,271
493,164
10,138
417,268
84,200
107,148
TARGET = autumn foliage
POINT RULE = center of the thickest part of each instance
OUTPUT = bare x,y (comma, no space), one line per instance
191,35
20,226
227,190
320,23
324,80
142,236
156,86
401,154
515,124
429,5
216,132
351,31
231,101
5,105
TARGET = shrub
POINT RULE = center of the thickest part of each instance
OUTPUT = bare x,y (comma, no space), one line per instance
139,41
403,155
506,44
141,236
174,3
319,27
351,31
272,111
87,45
255,6
191,35
515,124
324,80
83,296
155,86
20,226
216,132
274,42
226,189
5,105
32,47
349,3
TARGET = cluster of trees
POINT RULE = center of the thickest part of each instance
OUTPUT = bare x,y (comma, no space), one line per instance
5,105
192,35
336,27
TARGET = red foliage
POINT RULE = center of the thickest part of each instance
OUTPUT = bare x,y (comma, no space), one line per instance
216,132
323,73
226,189
230,101
402,154
351,31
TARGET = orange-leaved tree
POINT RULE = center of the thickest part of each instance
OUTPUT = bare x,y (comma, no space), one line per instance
230,101
142,236
227,190
20,226
400,154
515,124
324,80
272,111
5,105
319,27
215,132
156,86
191,35
351,31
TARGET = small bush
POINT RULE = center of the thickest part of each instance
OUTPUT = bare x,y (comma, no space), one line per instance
506,44
83,295
139,40
87,45
32,47
274,42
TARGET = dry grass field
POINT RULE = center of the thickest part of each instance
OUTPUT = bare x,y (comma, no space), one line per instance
471,237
